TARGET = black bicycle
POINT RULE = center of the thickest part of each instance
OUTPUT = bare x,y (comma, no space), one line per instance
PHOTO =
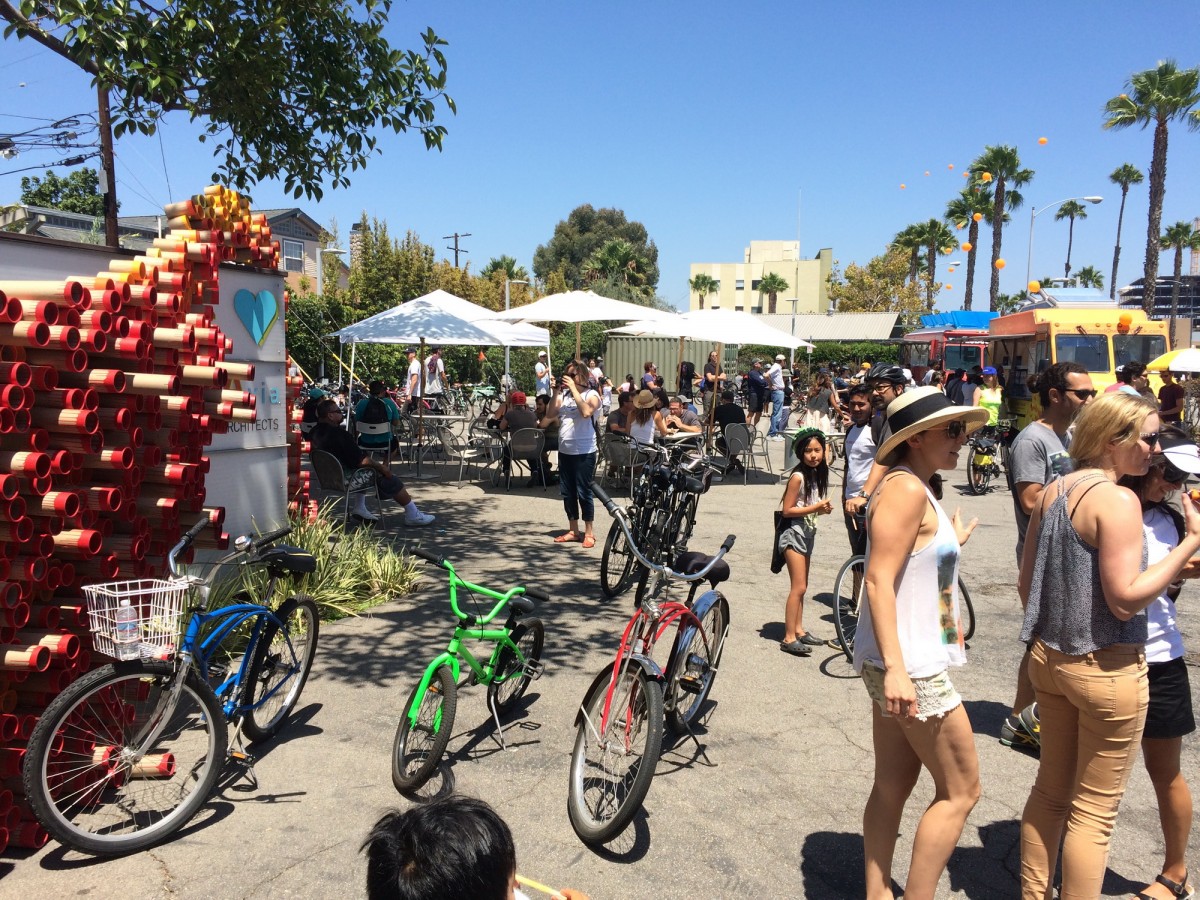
988,455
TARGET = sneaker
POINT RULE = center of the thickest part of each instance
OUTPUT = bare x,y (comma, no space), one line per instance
1031,723
365,514
417,521
1013,734
774,437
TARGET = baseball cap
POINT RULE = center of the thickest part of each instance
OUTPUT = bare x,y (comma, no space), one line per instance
779,356
541,353
518,397
757,362
316,394
989,370
1180,451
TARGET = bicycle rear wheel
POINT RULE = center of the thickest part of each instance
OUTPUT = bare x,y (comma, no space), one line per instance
282,660
979,471
692,666
610,772
418,748
512,675
846,601
966,610
616,564
81,777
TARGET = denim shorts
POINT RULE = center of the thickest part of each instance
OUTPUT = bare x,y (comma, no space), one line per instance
936,696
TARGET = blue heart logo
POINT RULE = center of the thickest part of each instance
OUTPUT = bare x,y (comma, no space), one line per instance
258,313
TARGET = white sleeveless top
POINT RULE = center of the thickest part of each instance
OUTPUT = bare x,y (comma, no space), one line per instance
927,612
643,433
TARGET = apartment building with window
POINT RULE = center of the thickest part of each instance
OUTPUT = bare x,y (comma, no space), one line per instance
739,282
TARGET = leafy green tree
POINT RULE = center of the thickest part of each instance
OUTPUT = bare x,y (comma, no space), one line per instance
975,199
287,90
910,241
881,285
506,265
704,285
772,284
1182,237
1008,303
618,261
1124,175
78,192
1156,96
1003,164
584,232
1090,277
1071,210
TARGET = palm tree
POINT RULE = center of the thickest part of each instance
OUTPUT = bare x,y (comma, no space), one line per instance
1124,175
961,211
704,285
1158,95
1004,165
910,240
772,285
1182,237
617,260
935,238
1072,210
1090,277
508,266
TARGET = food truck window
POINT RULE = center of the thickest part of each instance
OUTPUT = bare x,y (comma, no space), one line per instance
914,354
1090,350
1138,347
962,356
1041,360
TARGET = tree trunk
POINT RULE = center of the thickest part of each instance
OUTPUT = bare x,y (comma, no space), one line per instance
1175,291
931,265
1158,181
1112,288
997,225
912,264
972,237
1070,241
771,299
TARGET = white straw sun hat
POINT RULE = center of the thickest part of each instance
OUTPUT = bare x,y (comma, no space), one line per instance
920,409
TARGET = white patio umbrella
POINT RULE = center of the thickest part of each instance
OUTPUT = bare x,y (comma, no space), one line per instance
579,307
1186,359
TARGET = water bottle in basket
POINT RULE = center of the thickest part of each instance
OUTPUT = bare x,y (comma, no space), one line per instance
127,634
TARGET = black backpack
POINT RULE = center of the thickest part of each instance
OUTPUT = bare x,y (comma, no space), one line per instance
375,412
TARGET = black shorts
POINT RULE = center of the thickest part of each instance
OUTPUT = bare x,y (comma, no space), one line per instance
755,402
1170,712
858,539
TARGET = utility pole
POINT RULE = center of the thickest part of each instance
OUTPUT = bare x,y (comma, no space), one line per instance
457,250
108,170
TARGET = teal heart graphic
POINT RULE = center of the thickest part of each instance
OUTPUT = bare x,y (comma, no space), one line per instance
258,313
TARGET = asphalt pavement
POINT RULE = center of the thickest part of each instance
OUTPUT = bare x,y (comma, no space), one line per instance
771,807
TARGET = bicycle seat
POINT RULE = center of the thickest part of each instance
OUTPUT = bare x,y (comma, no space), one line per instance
292,560
522,605
692,562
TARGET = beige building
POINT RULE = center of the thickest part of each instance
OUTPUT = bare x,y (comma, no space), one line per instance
739,282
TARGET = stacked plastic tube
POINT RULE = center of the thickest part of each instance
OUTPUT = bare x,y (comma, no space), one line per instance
111,386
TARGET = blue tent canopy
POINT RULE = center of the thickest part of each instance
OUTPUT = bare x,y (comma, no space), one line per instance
959,318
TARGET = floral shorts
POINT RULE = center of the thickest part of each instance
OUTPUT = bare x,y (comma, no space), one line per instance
936,696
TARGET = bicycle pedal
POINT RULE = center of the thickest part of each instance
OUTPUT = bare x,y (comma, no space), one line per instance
691,684
243,758
534,669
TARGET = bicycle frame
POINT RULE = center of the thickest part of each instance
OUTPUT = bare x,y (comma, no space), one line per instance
472,630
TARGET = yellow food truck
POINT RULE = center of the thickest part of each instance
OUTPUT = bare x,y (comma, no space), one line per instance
1070,324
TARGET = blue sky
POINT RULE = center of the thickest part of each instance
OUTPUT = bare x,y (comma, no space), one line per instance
712,123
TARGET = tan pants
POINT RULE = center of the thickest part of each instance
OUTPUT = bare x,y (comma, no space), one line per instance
1092,710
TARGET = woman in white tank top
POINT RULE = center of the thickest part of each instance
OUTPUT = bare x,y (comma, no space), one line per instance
909,634
646,419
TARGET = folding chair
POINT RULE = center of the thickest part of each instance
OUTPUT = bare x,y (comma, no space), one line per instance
742,446
373,429
526,445
332,478
620,453
467,455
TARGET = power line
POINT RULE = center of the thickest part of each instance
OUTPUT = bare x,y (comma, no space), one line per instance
457,250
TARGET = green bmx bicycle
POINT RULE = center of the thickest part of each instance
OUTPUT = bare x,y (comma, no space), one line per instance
425,727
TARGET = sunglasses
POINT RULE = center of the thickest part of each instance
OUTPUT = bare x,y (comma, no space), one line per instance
1151,438
1082,393
881,385
955,430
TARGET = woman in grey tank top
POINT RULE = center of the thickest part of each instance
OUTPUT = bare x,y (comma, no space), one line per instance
1085,586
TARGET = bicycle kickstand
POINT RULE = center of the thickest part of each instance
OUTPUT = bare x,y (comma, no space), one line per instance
696,740
499,727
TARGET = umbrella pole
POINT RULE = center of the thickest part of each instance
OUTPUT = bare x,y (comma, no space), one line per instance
421,412
350,393
679,370
578,333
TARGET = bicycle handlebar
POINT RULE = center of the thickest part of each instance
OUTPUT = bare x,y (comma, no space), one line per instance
429,557
534,593
619,515
272,537
196,530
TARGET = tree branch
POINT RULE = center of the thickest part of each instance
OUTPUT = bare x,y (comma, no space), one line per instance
26,28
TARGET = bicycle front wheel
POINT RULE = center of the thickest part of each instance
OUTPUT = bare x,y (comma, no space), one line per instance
611,771
418,748
91,790
846,601
513,674
692,666
616,564
979,472
282,660
966,609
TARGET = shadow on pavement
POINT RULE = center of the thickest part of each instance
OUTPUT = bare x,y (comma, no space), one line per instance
986,716
832,866
630,845
993,869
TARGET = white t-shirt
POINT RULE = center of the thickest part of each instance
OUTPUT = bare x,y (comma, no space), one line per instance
597,373
860,456
642,432
435,372
541,375
1163,640
775,377
576,433
414,383
606,394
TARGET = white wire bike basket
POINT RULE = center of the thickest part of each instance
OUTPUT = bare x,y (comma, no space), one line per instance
158,607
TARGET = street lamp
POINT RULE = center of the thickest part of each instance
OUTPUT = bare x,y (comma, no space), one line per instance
1032,217
507,282
321,293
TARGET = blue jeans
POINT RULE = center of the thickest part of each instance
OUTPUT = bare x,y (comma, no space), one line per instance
575,473
779,414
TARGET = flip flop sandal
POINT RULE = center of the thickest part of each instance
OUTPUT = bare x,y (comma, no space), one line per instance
589,542
1178,890
569,538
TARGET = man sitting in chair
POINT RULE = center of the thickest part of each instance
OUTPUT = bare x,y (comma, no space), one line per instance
679,418
330,437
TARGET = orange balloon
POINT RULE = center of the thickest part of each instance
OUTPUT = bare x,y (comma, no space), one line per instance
985,177
1125,319
1035,287
951,166
978,217
926,173
1042,140
966,174
948,287
966,245
960,225
1000,264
